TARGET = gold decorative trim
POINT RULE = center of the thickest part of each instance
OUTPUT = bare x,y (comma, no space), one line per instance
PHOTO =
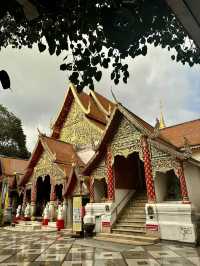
100,105
93,125
72,87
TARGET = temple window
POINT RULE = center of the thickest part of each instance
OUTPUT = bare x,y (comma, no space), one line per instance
167,186
100,190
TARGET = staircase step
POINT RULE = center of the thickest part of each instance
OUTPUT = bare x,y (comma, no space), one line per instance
128,231
129,225
134,210
130,228
135,221
121,237
133,205
133,216
122,241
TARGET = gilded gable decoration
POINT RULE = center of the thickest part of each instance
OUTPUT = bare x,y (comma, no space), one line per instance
126,140
100,171
76,129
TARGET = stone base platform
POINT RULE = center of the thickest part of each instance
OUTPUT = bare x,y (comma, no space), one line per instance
30,226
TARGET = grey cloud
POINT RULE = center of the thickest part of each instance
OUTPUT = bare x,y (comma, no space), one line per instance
39,88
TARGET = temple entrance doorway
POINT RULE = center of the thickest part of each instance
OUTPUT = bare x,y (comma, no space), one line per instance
43,193
58,192
129,173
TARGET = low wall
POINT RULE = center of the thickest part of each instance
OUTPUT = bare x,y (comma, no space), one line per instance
173,221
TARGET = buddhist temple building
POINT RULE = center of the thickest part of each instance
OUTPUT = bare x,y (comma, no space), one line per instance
52,174
11,170
151,174
137,182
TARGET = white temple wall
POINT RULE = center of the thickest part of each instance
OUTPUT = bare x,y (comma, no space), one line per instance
192,175
120,194
98,190
85,155
196,155
160,183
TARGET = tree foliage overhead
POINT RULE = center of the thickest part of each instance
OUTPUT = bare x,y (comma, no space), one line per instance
12,138
96,34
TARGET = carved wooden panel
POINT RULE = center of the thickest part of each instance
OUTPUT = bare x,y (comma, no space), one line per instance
126,140
45,167
100,171
77,130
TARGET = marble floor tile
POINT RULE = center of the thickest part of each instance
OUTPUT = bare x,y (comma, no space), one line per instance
16,246
30,251
108,256
136,255
8,251
163,254
114,262
55,251
81,249
22,258
16,264
194,260
142,262
78,263
4,257
188,253
60,246
79,256
51,257
174,262
136,249
45,263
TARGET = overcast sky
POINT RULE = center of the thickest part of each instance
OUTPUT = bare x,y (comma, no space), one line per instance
38,88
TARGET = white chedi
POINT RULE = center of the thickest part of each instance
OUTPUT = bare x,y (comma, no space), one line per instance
46,211
18,211
27,212
60,212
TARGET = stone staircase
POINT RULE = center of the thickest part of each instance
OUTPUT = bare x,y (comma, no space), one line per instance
130,225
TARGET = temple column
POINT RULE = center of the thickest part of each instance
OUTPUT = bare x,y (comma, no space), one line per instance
110,176
65,211
148,171
91,189
24,201
183,186
52,211
69,212
33,198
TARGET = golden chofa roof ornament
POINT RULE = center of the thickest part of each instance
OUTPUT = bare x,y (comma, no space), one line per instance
161,120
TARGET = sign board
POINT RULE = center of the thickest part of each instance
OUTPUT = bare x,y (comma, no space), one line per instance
106,224
152,227
77,222
106,220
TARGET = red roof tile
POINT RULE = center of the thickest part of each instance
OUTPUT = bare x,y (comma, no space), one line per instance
9,165
175,134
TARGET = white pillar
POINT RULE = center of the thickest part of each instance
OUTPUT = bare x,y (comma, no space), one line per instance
69,212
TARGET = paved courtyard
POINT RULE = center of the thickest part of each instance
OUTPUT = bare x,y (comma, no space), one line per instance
34,249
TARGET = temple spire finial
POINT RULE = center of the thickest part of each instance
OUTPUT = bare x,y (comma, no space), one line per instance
161,120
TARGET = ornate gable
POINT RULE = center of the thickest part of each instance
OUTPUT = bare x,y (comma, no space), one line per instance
45,166
77,129
126,140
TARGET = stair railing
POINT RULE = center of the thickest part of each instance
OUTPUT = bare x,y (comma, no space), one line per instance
116,211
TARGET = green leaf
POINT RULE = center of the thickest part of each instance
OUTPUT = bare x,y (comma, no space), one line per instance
98,75
144,50
63,67
41,47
